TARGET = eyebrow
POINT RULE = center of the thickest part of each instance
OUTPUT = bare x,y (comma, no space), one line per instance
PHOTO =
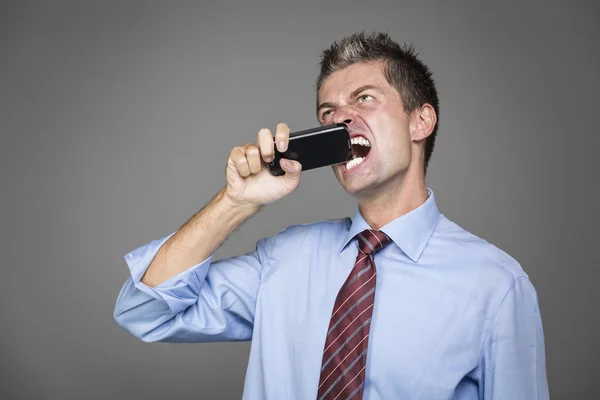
354,93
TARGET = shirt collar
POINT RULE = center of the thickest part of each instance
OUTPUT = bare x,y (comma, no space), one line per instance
410,232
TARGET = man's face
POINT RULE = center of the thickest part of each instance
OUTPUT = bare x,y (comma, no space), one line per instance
360,96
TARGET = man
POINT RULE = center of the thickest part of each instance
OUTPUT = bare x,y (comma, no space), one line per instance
396,303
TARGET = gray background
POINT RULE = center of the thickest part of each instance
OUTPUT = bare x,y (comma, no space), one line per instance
117,119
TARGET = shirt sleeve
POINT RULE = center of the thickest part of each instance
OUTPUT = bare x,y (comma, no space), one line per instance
514,361
211,301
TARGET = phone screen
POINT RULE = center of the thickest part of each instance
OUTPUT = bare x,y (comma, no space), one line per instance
317,147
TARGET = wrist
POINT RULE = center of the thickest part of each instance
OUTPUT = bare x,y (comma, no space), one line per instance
236,208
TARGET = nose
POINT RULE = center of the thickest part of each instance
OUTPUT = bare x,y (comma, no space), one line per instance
342,114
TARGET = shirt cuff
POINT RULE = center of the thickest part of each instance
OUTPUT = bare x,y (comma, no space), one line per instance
179,291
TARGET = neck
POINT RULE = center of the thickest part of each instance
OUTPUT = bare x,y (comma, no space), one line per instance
397,198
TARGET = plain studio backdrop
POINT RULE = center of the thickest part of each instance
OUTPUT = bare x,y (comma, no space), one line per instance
117,119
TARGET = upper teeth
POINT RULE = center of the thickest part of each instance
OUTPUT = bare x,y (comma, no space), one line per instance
360,140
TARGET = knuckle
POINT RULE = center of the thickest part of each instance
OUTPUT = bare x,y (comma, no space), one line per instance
252,151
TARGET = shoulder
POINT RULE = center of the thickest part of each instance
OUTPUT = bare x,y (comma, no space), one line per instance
304,238
479,266
321,230
476,252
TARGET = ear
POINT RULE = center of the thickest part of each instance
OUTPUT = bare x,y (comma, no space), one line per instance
423,120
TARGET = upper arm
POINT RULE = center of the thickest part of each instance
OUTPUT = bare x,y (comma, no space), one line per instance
211,301
514,362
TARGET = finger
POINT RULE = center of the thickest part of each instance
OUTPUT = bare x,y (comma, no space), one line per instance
253,157
291,167
265,144
238,156
282,136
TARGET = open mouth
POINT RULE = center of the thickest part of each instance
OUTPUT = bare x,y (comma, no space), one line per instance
360,149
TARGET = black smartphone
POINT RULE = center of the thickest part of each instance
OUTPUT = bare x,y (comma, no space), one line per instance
314,148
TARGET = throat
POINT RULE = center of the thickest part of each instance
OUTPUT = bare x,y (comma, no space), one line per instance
360,151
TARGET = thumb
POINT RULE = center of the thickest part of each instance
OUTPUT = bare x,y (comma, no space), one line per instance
291,167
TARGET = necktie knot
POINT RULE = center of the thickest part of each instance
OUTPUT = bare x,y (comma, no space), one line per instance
370,241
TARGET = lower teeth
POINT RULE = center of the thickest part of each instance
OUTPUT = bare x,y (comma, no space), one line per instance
354,162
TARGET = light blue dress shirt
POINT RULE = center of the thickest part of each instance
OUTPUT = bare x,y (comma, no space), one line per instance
454,317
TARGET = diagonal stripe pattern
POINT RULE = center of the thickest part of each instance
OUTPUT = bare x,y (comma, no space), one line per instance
345,354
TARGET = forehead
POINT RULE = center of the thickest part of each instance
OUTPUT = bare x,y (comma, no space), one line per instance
343,82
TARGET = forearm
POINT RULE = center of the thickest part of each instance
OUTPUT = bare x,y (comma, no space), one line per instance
197,239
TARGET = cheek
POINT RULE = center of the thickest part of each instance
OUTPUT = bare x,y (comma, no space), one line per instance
397,144
390,130
374,119
379,115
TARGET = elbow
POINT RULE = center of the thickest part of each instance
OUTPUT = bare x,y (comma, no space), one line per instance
143,316
125,320
134,313
141,329
121,318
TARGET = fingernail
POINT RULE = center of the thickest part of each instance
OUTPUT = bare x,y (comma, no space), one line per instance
281,146
268,159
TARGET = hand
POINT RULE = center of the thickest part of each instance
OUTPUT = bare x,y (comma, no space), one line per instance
248,178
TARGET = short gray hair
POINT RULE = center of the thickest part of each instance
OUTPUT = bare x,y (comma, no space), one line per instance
402,69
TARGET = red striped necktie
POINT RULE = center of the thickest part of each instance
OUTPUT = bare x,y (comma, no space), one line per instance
344,358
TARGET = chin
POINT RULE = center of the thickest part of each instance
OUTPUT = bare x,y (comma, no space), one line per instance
354,187
358,191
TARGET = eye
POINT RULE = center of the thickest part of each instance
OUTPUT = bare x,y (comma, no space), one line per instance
326,113
365,97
